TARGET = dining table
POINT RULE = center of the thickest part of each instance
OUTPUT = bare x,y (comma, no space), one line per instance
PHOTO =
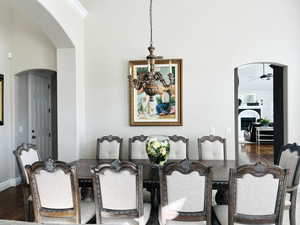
220,177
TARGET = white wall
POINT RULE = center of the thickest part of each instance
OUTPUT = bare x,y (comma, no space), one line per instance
22,109
5,47
30,49
212,37
66,105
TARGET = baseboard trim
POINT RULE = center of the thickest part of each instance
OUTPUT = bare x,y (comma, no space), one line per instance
10,183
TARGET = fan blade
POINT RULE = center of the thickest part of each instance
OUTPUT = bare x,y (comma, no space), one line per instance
268,75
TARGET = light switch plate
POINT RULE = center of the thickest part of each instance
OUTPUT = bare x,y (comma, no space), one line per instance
20,129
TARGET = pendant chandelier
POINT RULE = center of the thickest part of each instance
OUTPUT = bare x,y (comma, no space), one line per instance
149,81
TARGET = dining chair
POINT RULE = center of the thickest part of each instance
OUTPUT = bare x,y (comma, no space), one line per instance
137,147
290,159
185,193
56,198
137,150
179,147
109,147
212,148
118,188
26,154
256,196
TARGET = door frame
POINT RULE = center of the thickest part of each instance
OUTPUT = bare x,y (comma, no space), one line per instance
53,97
284,116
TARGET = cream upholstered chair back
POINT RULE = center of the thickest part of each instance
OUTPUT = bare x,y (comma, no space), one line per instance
55,192
178,147
119,190
290,159
109,147
26,154
212,148
256,194
137,147
185,189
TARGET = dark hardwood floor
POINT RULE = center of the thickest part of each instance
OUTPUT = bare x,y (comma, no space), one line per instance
253,152
11,204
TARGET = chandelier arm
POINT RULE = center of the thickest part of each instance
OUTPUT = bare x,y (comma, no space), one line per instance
135,83
159,77
171,78
138,85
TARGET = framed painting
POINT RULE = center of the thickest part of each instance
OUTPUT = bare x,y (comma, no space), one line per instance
166,107
1,100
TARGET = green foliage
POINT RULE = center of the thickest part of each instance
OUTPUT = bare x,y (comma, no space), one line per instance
158,99
172,100
264,121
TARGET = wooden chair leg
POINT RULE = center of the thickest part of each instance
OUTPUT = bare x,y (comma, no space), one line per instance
30,213
292,210
26,195
26,210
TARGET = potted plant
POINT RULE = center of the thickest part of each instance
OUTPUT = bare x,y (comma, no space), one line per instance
264,122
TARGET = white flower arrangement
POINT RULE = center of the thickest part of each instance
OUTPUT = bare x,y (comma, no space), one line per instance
158,148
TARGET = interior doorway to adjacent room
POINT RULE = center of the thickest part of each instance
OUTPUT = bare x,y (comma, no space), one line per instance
260,116
36,110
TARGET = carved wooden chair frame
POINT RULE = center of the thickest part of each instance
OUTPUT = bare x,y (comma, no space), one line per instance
51,167
258,170
211,138
18,152
141,138
293,190
25,185
109,138
118,166
185,140
187,167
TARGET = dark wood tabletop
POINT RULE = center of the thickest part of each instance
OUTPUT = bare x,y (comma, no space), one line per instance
220,168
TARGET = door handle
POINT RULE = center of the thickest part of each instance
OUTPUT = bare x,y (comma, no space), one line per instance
33,137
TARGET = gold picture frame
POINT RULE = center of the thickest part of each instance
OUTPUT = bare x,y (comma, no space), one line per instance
166,109
1,100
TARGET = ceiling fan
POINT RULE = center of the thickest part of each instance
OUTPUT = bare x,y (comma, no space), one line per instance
264,76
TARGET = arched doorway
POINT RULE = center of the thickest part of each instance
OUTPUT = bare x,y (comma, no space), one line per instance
63,24
260,111
36,110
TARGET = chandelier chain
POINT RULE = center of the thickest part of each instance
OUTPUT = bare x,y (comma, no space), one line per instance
147,81
151,25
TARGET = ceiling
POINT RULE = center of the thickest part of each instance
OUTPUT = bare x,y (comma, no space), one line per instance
249,78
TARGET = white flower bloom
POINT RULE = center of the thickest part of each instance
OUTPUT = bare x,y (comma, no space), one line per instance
156,144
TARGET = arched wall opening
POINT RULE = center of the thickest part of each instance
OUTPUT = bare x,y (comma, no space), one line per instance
63,25
261,87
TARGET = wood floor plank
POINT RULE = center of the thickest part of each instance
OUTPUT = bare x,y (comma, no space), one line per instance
11,204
